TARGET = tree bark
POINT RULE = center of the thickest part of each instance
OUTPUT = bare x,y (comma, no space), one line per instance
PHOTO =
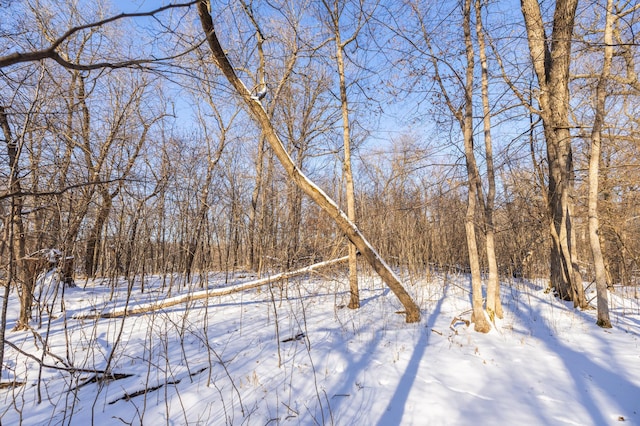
260,116
16,235
354,300
478,318
493,305
464,116
551,60
594,167
92,252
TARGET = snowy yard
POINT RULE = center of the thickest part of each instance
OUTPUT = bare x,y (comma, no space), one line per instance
296,355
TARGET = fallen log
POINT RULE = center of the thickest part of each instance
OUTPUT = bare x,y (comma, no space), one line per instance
204,294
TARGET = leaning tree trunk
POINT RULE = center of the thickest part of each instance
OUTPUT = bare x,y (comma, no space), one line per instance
260,116
202,294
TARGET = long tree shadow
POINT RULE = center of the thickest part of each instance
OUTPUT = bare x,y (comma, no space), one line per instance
586,373
397,404
354,384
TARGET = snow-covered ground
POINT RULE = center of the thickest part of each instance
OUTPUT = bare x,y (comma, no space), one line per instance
296,355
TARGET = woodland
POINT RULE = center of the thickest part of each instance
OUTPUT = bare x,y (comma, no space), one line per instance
200,149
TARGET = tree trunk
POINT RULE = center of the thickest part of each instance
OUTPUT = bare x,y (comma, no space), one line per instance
16,235
293,222
551,60
259,114
197,233
354,300
473,176
78,209
594,167
493,305
92,252
253,212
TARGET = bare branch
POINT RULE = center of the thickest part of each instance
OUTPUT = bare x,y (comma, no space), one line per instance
52,53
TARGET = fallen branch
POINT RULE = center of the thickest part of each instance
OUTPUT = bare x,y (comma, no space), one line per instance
204,294
129,396
102,378
54,367
456,321
297,337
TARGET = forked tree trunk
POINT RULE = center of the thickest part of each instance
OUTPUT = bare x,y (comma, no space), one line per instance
551,60
493,305
260,116
473,176
464,116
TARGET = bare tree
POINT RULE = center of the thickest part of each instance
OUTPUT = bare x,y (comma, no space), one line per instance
594,167
335,10
54,52
258,113
125,130
605,98
462,113
493,305
280,77
551,57
466,121
15,231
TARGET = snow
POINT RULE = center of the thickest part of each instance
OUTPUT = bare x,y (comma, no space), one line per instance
296,355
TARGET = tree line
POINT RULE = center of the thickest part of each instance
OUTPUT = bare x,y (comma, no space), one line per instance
259,135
